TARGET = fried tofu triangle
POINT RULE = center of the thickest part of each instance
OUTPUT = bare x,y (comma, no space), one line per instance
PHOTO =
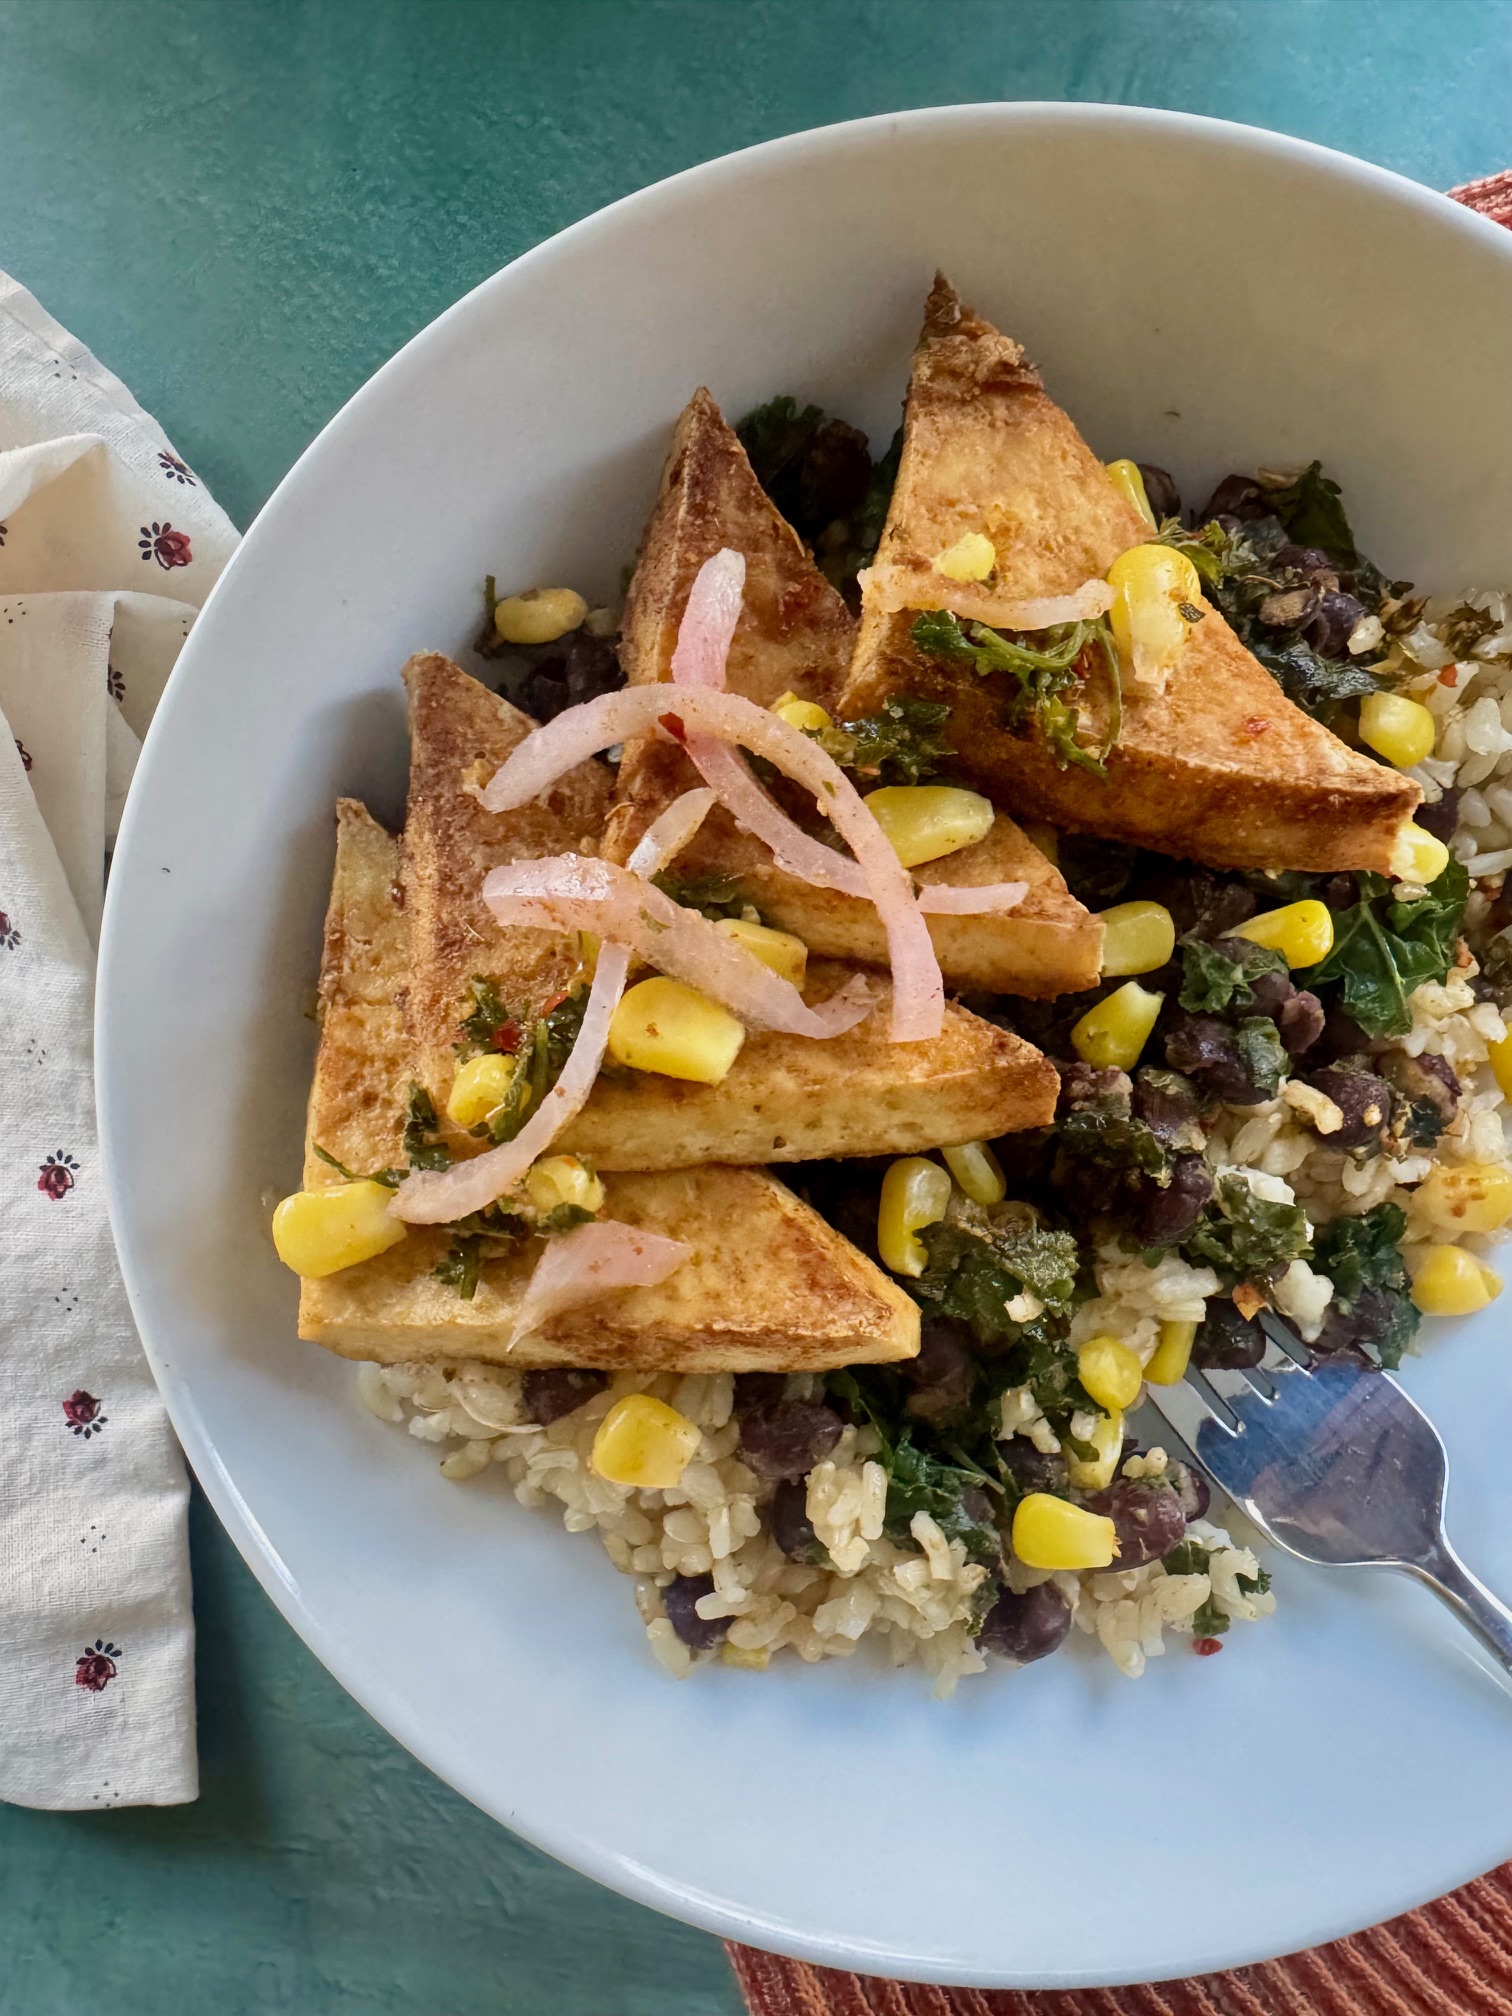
1221,767
769,1286
786,1098
796,635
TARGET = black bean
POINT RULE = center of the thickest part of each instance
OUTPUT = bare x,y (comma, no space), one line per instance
1168,1215
581,668
1333,623
1371,1315
1191,1487
1227,1340
1441,819
1199,900
756,1390
1270,992
1170,1106
789,1520
1084,1087
787,1439
1430,1088
680,1596
944,1373
1363,1099
1160,489
1034,1469
1290,608
1237,497
1308,560
1147,1517
1339,892
561,1390
1028,1627
1207,1050
1300,1022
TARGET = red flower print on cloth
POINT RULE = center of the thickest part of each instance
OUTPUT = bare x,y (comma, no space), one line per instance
81,1410
175,470
10,937
56,1178
163,544
95,1667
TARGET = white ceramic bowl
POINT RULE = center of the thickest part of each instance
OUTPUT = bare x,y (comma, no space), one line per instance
1199,295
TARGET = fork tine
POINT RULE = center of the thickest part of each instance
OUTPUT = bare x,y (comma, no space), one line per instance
1186,1410
1286,1340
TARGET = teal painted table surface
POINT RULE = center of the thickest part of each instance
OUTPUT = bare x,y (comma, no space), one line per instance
243,207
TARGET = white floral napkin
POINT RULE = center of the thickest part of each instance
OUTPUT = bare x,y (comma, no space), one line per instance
108,547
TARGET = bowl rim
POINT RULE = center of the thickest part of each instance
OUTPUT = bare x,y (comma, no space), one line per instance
587,1856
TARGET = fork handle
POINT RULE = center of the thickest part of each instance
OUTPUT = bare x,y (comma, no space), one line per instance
1487,1616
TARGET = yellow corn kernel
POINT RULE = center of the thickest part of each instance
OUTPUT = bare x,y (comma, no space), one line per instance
1110,1371
660,1025
1152,585
1172,1354
318,1232
1053,1533
1500,1055
480,1088
1137,937
563,1179
644,1443
1112,1034
539,615
806,714
1418,856
754,1659
780,950
915,1193
1095,1473
1397,728
971,558
924,822
1466,1197
1302,933
1128,481
978,1171
1448,1281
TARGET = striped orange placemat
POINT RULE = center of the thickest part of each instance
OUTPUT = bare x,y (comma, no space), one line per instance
1455,1955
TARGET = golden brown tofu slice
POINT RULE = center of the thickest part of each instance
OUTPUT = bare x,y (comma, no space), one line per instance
796,635
769,1286
1221,767
786,1098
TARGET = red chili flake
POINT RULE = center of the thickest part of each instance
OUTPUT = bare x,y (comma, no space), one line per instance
555,1001
507,1037
1256,724
674,726
1206,1647
1449,676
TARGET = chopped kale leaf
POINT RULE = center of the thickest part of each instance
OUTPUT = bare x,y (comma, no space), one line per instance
1187,1557
952,1489
421,1128
1209,1621
1045,668
901,745
1254,1585
1309,680
1383,949
713,895
389,1178
1248,1238
820,475
1362,1257
1262,1053
982,1257
491,1234
1115,1140
1097,872
1217,977
1214,552
488,1025
1312,510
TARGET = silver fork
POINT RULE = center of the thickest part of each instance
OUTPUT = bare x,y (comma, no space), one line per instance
1333,1462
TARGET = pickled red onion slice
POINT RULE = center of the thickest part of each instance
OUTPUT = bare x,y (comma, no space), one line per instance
592,1261
964,899
892,587
582,731
575,892
436,1196
670,832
